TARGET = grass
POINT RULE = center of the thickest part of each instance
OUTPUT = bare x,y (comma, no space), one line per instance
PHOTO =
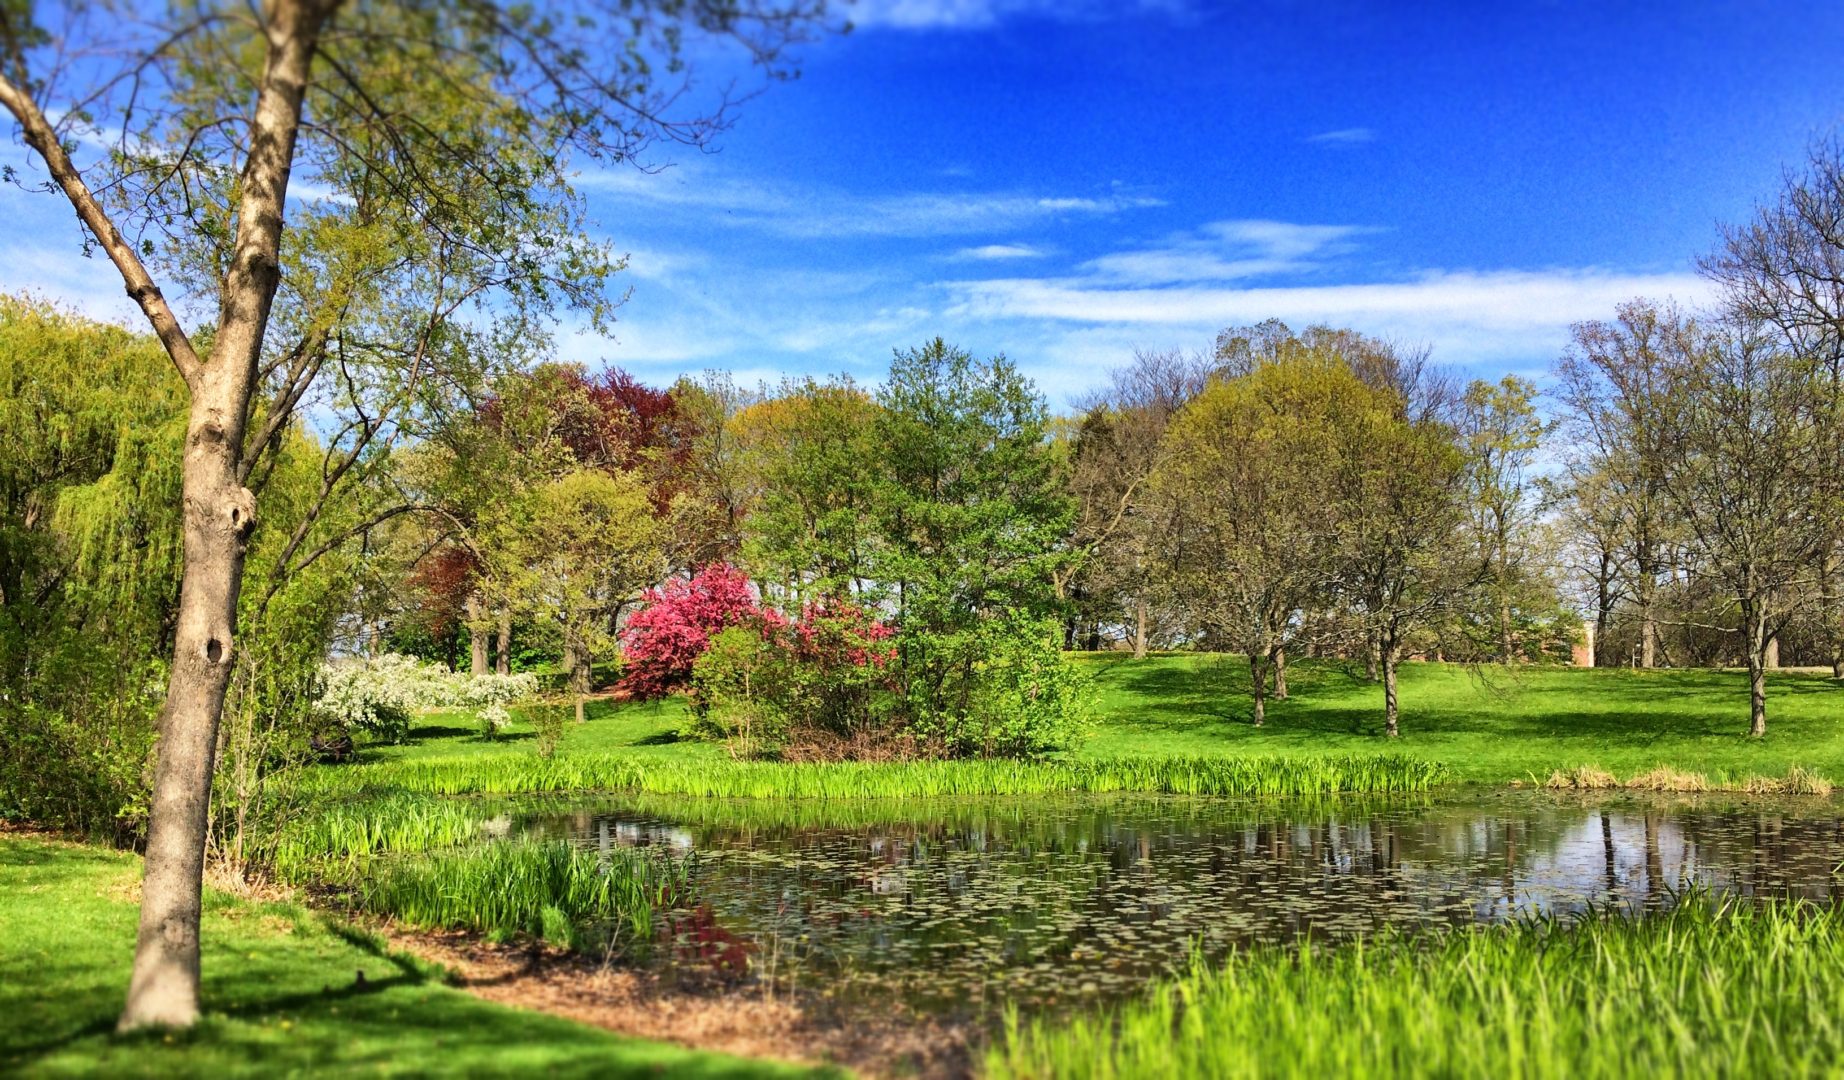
281,994
548,890
1245,776
1709,989
1491,725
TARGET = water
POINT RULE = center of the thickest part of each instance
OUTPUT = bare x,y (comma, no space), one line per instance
959,906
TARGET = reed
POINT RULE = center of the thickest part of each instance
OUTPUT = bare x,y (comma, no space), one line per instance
549,890
350,829
1241,776
1711,988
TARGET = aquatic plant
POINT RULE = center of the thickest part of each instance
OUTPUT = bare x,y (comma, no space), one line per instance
1710,988
349,829
1797,781
1243,776
550,890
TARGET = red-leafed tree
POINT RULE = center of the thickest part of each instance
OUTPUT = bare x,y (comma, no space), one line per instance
666,637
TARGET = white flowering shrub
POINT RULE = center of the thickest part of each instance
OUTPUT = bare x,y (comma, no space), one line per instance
379,694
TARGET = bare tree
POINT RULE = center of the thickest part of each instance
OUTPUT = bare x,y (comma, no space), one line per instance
1785,269
1748,476
1614,386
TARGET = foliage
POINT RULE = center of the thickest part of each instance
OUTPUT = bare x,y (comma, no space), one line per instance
823,677
1711,987
553,890
547,715
379,695
663,640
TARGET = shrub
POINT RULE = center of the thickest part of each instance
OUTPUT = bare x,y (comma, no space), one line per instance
663,640
1002,689
378,695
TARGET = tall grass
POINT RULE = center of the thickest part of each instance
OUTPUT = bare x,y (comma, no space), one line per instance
1245,776
350,829
1708,989
552,890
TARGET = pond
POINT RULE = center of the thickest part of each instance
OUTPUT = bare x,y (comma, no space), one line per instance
958,907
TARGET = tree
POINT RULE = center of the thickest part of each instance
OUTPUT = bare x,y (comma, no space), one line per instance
1500,433
440,128
1398,503
574,549
1245,480
815,462
1614,387
1118,536
1750,476
1785,269
971,512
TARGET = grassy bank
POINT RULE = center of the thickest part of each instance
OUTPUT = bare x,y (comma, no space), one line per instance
1167,723
1707,990
282,989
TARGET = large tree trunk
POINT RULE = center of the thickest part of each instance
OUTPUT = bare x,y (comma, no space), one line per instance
218,513
502,648
1370,658
1390,705
476,638
1139,628
1279,663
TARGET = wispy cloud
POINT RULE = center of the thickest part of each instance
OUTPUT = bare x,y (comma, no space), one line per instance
1472,315
805,213
999,253
1343,137
983,14
1227,251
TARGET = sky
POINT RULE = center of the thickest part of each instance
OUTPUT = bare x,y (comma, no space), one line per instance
1067,181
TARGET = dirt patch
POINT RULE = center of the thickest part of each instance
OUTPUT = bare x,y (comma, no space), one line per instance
717,1015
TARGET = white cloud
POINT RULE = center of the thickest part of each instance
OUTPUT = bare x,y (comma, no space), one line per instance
1226,251
984,14
1467,317
809,213
999,253
1343,137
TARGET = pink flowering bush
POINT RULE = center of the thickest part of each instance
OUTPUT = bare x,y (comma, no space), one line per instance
663,641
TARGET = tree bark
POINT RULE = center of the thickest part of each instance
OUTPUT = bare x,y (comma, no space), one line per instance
1258,687
1646,587
1370,658
502,648
1139,629
218,513
1278,662
1755,625
476,638
1391,709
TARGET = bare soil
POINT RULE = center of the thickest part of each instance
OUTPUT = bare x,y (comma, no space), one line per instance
715,1013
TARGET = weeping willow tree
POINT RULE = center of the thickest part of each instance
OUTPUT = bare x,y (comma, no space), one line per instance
90,561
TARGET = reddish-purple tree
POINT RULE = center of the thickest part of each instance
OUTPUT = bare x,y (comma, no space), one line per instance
665,638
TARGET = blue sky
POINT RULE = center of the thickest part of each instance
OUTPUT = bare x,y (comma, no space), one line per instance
1067,181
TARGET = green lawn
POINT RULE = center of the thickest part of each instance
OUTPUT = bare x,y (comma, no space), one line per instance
1491,725
281,995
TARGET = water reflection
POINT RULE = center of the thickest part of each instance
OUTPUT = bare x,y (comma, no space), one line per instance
1044,901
